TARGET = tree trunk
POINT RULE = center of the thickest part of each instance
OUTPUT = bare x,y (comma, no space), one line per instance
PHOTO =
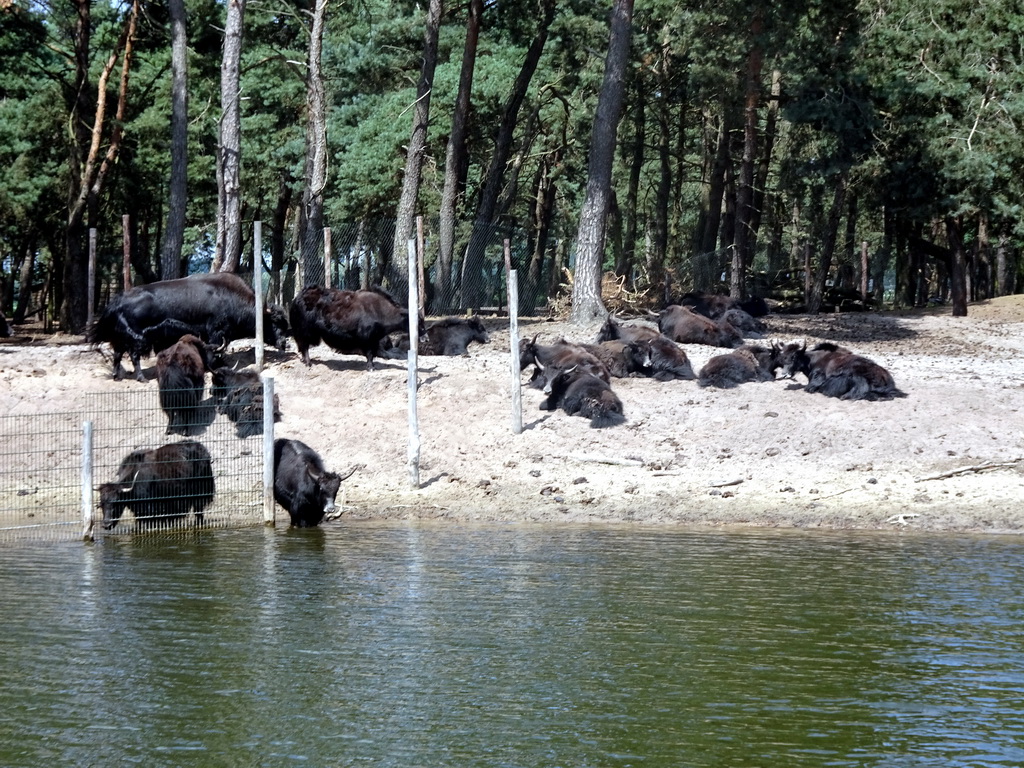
743,254
312,223
398,273
663,190
705,268
957,267
764,164
627,257
229,149
828,246
456,161
586,290
174,235
89,172
472,265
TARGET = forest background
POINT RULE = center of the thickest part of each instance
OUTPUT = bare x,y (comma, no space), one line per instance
823,152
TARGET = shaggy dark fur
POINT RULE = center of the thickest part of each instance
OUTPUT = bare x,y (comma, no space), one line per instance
748,363
181,375
585,395
239,395
837,372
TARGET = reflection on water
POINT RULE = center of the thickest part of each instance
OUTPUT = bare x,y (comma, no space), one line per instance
443,645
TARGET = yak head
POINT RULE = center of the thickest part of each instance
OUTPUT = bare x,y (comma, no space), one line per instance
609,331
115,498
276,329
791,358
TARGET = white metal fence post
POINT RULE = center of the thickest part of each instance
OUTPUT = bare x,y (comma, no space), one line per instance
414,335
257,287
87,534
513,334
269,508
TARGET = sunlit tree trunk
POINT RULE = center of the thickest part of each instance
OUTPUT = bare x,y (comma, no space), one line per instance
586,291
472,265
312,223
229,150
417,146
174,234
455,161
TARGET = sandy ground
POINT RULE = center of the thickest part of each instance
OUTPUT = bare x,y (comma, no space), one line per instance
950,456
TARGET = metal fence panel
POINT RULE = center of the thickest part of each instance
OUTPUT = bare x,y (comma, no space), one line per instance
41,464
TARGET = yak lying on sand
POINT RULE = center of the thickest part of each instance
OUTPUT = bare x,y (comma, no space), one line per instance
161,486
837,372
548,359
668,361
449,337
583,394
301,483
747,363
613,330
181,375
239,396
714,305
684,325
621,358
218,308
349,322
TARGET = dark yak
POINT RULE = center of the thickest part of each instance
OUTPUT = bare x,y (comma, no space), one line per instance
449,337
583,394
750,362
622,358
837,372
667,360
160,486
218,308
714,305
181,375
549,359
301,483
682,324
239,396
350,322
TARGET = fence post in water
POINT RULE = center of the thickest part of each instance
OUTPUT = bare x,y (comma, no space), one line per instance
414,335
257,288
87,481
513,335
268,450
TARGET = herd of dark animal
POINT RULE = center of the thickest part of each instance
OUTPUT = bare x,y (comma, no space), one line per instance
189,322
577,376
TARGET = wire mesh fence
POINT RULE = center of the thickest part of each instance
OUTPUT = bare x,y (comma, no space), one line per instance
52,480
472,278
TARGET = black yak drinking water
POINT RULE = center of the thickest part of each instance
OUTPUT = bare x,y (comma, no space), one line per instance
837,372
160,486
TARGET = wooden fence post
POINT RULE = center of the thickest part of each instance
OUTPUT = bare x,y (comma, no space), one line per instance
126,260
328,257
257,288
90,289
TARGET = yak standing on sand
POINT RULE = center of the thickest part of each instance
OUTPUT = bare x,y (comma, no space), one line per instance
349,322
218,308
838,372
181,375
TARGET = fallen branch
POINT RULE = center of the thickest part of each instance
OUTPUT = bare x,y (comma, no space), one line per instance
605,460
727,483
976,468
837,493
